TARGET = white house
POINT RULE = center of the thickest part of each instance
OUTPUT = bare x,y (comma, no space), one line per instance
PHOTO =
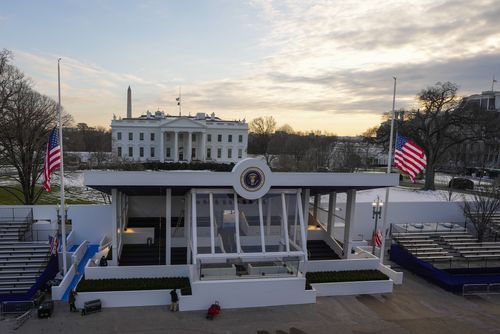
162,137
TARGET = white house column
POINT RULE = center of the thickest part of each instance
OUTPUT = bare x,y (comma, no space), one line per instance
175,148
203,145
190,145
161,154
114,236
349,222
332,204
168,229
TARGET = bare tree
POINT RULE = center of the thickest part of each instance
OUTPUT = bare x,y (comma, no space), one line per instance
263,128
481,208
27,117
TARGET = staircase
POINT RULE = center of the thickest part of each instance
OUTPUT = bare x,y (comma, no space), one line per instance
142,254
319,250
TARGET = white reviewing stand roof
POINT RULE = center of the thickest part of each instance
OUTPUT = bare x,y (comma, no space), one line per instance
145,182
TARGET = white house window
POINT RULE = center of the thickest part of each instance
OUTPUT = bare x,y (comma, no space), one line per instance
141,136
119,135
219,153
240,139
130,151
193,153
130,136
229,138
141,152
219,138
168,152
209,153
152,152
240,153
119,151
152,137
209,138
193,137
229,153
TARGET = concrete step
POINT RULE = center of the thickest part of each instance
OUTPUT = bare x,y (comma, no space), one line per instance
18,278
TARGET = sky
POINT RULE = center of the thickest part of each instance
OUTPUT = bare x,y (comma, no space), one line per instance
323,65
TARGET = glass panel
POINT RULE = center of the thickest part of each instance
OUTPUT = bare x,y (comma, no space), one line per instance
274,234
294,235
250,238
225,241
278,267
203,223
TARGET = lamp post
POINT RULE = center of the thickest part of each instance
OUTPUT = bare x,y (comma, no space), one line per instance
376,214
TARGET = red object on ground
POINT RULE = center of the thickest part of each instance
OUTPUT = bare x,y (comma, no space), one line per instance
213,310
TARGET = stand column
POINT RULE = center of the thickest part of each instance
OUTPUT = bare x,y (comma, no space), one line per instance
349,223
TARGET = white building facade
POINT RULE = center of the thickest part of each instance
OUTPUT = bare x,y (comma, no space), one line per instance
166,138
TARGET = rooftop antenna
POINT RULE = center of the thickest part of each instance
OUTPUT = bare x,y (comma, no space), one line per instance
178,99
493,83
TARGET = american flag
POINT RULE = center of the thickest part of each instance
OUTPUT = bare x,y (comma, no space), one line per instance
377,238
54,244
52,157
409,157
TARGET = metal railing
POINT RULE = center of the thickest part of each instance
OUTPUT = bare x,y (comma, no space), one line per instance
480,289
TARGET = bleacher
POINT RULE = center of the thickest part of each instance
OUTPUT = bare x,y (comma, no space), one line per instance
456,246
21,262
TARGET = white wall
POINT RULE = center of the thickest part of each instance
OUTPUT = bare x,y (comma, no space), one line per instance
352,288
125,298
136,271
90,222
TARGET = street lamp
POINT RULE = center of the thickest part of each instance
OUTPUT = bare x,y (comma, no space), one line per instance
376,214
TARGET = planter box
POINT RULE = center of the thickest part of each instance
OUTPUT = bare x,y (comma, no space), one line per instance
125,298
352,288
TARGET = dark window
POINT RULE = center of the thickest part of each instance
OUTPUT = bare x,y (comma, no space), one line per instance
219,138
168,152
229,153
209,138
130,151
229,138
152,152
130,136
119,151
152,136
141,151
193,153
193,137
240,153
219,153
141,136
240,138
119,136
209,153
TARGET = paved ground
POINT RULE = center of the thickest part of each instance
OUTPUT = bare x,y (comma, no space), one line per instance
414,307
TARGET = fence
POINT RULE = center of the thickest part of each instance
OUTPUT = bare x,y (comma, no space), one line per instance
15,307
480,289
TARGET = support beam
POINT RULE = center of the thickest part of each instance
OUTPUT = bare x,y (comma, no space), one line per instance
332,204
317,199
212,224
193,230
306,194
303,226
261,224
349,223
168,229
114,227
237,223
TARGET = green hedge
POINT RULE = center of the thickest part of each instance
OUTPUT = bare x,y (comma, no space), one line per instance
343,276
129,284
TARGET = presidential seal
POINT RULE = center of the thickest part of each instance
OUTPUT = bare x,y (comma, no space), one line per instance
252,179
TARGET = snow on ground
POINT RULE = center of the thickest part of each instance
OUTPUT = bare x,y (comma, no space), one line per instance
400,194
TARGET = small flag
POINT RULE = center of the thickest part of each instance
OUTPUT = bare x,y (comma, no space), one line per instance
377,238
52,157
54,244
409,157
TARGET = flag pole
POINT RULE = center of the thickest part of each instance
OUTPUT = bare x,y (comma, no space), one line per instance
63,207
389,164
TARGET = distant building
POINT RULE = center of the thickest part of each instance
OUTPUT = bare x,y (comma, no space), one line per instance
488,100
161,137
